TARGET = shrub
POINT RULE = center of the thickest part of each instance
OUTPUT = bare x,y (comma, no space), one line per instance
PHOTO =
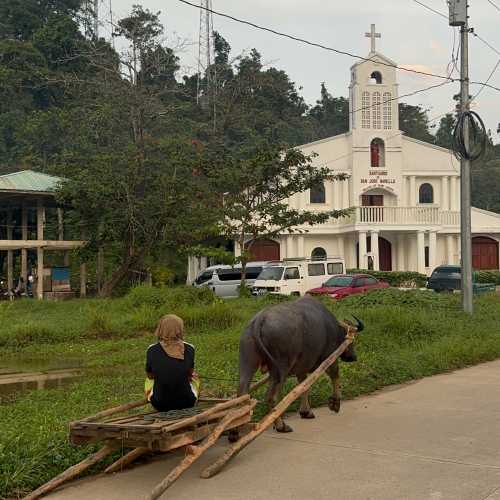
487,277
405,279
217,316
171,296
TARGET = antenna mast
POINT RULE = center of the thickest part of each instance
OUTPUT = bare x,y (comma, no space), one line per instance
207,91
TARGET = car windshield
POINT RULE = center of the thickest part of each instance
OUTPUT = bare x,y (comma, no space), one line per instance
447,272
340,281
203,277
271,273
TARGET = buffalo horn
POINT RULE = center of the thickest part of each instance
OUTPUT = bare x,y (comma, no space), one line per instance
360,325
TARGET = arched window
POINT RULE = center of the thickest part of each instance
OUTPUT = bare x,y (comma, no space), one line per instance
387,110
376,77
318,254
377,153
366,110
318,193
377,110
426,194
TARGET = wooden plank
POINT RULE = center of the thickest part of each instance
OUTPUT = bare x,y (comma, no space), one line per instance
114,410
127,459
279,409
193,453
201,417
72,472
188,438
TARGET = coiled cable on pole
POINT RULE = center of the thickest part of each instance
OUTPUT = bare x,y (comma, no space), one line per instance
477,137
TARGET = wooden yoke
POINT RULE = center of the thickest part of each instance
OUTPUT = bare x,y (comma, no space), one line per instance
282,406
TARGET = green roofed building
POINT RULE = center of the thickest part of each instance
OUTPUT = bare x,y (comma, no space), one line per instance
27,207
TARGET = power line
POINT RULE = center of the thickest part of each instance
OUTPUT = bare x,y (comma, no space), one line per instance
486,43
494,4
431,9
314,44
489,78
337,51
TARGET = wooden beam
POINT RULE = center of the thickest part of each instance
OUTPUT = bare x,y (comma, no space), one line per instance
10,253
193,453
24,251
39,274
72,472
278,410
83,280
47,244
126,460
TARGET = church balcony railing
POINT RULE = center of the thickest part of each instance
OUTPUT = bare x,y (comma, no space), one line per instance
402,216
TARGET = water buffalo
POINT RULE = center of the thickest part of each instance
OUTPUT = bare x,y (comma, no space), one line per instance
293,338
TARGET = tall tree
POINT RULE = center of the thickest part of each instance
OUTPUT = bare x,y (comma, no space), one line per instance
255,187
414,121
444,134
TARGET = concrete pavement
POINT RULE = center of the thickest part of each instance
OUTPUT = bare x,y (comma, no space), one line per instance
435,439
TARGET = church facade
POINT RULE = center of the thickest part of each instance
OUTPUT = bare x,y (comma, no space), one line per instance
404,193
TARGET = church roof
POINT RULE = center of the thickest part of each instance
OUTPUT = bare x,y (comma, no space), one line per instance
326,139
373,56
29,181
427,144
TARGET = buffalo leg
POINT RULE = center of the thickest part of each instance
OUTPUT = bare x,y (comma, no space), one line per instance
305,407
273,390
334,374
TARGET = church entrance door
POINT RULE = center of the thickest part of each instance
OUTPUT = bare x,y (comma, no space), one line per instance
263,250
385,254
372,200
484,253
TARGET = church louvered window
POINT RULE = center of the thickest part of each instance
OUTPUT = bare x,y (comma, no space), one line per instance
387,111
377,112
366,110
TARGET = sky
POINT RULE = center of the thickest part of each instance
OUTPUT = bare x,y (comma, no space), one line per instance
412,36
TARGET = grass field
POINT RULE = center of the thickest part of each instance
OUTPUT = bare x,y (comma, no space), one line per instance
408,335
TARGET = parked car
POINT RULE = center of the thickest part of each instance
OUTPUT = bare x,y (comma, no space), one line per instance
296,276
340,287
225,280
449,279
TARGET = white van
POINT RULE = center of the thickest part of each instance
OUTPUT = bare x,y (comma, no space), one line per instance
226,280
296,276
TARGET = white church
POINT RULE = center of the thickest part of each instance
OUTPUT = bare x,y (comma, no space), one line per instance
405,193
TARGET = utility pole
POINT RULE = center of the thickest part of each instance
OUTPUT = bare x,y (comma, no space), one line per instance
459,17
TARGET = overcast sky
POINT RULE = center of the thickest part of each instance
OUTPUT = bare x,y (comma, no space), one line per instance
411,36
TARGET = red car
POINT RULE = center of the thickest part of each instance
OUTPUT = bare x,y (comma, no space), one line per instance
341,286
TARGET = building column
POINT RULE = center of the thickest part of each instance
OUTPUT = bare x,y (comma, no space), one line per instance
10,253
432,250
413,191
300,246
83,280
60,233
289,246
450,250
453,194
401,243
445,193
421,252
341,247
458,252
40,221
346,202
363,258
24,251
337,201
375,250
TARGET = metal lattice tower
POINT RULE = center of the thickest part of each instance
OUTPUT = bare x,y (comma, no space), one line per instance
206,90
92,19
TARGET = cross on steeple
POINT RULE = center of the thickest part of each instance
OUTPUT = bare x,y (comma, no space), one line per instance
373,35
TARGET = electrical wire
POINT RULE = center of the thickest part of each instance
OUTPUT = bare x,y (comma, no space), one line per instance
431,9
487,81
331,49
477,136
313,44
493,4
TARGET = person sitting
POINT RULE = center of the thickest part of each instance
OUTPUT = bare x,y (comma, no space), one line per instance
172,383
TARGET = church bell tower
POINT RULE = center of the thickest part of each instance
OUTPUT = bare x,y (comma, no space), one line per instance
373,92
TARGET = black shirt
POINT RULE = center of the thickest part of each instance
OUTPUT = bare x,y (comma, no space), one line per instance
172,388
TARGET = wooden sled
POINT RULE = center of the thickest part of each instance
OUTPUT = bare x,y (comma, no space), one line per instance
149,432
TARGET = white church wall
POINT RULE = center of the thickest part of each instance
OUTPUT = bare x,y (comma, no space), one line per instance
421,157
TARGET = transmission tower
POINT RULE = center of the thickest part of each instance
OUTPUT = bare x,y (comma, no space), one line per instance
207,90
92,19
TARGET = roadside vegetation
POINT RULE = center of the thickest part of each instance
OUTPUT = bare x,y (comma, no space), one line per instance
408,335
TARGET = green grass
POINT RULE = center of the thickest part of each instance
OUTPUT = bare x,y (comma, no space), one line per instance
408,335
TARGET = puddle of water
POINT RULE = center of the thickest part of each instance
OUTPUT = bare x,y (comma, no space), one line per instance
17,379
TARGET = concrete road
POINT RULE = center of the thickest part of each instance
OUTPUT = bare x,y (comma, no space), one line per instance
436,439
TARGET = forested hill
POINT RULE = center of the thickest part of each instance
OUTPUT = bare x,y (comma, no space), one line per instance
64,96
